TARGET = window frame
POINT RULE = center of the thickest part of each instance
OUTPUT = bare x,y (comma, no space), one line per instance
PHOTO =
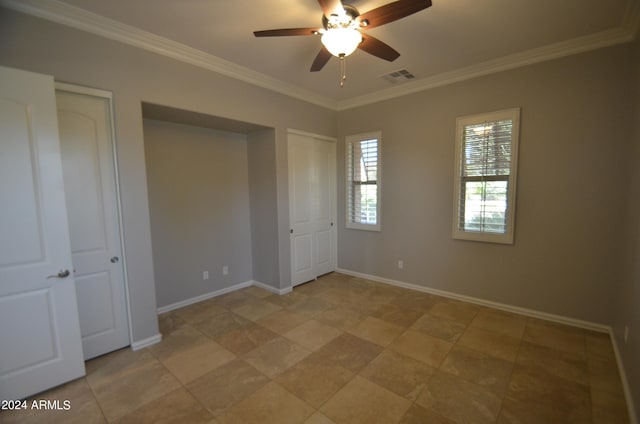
350,140
458,208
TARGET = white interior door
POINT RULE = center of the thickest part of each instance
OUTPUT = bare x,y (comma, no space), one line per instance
39,331
88,167
311,207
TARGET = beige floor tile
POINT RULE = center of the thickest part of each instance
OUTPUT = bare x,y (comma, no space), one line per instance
410,299
312,288
169,322
84,408
225,386
362,401
537,411
176,407
192,363
286,300
419,415
349,351
484,370
182,338
422,347
555,336
269,404
314,380
551,396
232,300
491,343
451,359
441,328
258,292
282,321
459,400
455,311
123,390
246,338
377,331
313,334
334,296
608,407
599,346
319,418
500,322
341,318
199,311
276,356
394,314
603,375
563,364
220,325
400,374
311,307
256,309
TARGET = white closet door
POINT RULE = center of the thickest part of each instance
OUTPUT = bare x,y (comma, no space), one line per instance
311,207
39,326
90,184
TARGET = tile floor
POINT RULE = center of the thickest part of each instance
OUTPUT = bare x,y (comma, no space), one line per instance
346,350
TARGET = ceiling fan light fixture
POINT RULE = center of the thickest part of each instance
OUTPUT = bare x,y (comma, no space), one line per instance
341,42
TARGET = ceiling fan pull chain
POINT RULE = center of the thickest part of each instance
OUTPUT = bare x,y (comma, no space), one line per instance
343,70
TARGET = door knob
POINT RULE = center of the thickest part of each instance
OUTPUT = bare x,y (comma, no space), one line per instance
62,274
115,260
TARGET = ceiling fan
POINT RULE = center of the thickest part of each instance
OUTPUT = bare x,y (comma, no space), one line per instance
343,26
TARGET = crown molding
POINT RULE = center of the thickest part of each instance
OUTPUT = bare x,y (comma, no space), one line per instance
65,14
74,17
517,60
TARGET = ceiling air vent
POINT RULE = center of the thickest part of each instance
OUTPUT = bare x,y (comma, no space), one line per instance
401,75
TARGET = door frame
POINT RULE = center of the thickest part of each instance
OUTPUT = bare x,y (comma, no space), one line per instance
334,141
108,96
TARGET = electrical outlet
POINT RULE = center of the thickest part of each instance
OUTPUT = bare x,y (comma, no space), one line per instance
225,270
400,264
205,275
626,333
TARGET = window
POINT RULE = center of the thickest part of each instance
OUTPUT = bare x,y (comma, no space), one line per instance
363,181
485,187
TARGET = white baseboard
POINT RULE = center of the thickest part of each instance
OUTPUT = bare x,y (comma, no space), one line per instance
633,418
191,301
202,297
141,344
601,328
272,289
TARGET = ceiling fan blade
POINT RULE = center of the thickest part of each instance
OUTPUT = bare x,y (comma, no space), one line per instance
377,48
321,59
285,32
392,12
330,7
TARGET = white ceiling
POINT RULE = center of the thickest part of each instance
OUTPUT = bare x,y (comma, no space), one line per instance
451,40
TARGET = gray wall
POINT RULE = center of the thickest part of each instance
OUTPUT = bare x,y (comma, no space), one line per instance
199,208
627,294
264,216
134,76
571,191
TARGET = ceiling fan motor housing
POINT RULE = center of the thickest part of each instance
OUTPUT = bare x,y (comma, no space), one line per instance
348,20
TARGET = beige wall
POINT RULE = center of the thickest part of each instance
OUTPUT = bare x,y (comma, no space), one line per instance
135,76
626,308
199,208
571,191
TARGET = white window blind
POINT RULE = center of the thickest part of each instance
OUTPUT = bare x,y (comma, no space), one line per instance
486,153
363,181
